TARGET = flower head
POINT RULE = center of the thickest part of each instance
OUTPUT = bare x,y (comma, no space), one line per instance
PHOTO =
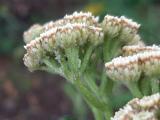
123,28
124,69
140,109
130,67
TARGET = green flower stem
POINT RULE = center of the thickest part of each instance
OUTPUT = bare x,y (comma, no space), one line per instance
73,60
98,115
77,101
110,48
154,85
106,85
86,58
108,112
133,87
91,98
90,82
52,66
145,86
106,49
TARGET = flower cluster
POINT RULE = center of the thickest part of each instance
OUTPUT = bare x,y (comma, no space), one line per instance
123,68
140,109
144,60
124,29
73,30
75,45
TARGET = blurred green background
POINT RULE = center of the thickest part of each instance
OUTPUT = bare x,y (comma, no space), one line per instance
39,95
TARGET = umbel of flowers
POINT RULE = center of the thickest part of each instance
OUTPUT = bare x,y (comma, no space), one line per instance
76,45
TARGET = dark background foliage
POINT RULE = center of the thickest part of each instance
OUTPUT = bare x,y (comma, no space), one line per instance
39,95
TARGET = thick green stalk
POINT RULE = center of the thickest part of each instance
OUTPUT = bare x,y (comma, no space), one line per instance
98,115
91,98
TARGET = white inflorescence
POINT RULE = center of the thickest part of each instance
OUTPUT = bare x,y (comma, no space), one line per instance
60,38
124,28
130,68
133,49
140,109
